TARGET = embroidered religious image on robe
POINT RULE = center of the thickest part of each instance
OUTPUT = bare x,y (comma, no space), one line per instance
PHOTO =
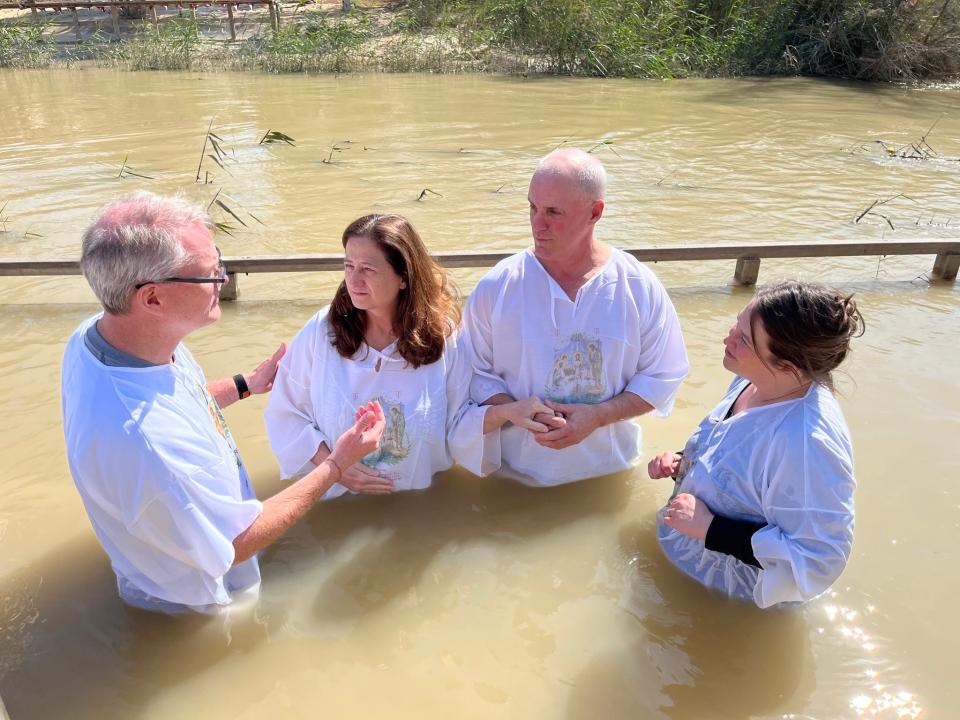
394,444
577,373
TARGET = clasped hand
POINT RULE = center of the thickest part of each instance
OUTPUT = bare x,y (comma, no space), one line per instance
579,421
688,516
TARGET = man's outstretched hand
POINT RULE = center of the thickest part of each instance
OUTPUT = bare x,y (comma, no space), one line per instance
261,379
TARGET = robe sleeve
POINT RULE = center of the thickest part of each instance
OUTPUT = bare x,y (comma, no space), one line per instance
808,505
185,528
292,428
662,363
469,447
485,382
194,526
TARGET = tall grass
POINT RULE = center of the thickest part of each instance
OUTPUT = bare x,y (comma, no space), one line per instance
317,42
862,39
878,39
172,45
25,45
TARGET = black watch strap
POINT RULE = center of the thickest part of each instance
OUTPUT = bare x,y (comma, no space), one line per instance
242,389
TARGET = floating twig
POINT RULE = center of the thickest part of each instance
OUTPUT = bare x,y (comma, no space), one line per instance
335,148
607,144
126,171
423,194
871,209
919,150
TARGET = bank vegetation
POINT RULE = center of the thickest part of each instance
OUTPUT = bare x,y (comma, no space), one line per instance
882,40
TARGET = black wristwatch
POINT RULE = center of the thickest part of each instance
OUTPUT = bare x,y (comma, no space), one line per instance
242,389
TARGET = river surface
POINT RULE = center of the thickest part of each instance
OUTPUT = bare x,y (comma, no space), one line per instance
480,598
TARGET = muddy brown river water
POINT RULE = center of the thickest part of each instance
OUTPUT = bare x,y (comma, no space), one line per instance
480,598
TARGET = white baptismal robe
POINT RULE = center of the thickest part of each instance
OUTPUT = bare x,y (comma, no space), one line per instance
620,333
788,466
431,422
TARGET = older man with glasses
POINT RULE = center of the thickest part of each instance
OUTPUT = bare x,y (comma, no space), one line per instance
149,450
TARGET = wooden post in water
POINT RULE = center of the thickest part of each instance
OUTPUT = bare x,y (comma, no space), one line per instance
347,5
276,16
36,19
748,269
946,265
228,293
76,23
115,17
233,27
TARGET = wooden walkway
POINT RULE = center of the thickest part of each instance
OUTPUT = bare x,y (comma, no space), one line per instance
945,266
114,7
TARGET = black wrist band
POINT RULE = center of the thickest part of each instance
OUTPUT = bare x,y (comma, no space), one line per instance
242,390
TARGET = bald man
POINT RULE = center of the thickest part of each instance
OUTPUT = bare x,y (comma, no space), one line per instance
578,323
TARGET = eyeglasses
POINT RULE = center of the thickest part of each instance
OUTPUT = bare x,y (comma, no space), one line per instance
219,279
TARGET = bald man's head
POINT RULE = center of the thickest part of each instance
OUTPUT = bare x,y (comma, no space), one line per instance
579,167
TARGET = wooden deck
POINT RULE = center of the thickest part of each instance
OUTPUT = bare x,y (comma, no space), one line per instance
114,7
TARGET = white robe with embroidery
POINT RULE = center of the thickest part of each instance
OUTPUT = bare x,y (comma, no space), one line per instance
431,422
619,334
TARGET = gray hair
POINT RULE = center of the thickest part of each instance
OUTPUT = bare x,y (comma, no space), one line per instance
136,240
580,166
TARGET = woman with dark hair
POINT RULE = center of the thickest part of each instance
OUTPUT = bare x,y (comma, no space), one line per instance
763,503
391,334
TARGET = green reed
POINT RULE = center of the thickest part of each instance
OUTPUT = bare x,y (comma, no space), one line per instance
876,40
24,45
862,39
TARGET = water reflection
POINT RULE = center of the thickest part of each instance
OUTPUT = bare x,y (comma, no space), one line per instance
710,657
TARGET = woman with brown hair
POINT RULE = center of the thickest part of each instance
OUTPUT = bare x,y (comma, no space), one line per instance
391,334
763,504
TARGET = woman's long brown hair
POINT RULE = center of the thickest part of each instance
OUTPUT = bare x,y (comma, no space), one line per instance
426,312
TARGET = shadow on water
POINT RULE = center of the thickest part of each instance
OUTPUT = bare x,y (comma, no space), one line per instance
697,654
378,548
71,648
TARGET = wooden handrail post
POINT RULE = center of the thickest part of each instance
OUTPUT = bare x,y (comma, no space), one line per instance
115,17
233,27
946,265
76,23
748,270
230,291
36,18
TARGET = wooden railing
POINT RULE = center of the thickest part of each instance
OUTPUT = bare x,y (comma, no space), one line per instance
748,257
114,6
